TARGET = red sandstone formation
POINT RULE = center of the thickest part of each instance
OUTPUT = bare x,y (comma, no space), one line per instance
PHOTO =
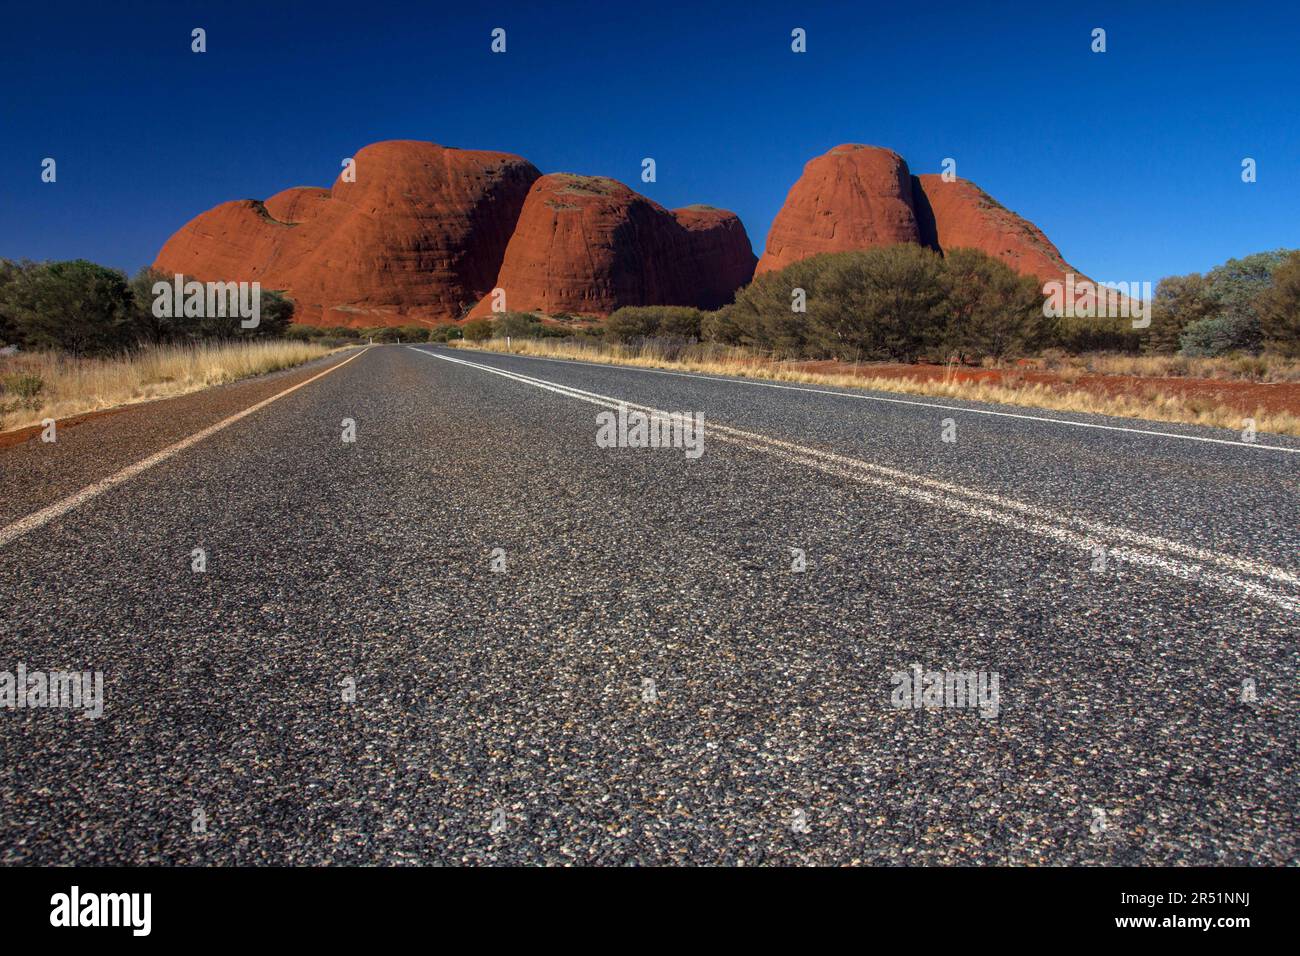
960,214
588,245
237,241
857,197
854,197
424,232
297,204
720,253
418,237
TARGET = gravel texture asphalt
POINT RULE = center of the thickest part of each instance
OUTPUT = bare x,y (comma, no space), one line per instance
505,716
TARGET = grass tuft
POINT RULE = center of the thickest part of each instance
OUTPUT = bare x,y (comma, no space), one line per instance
40,385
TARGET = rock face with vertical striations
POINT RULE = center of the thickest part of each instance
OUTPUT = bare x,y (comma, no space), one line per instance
418,237
424,232
720,253
853,197
588,245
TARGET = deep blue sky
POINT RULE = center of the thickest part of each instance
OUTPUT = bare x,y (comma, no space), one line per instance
1129,160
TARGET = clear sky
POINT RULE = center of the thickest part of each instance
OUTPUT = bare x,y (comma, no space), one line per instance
1129,160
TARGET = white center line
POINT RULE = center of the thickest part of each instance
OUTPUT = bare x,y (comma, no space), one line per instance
47,514
862,396
1224,571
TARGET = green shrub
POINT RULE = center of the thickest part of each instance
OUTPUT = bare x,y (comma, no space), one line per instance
1279,308
76,306
275,313
882,303
517,325
989,309
477,330
341,332
1179,301
25,386
9,273
1076,334
1217,336
654,321
762,317
444,333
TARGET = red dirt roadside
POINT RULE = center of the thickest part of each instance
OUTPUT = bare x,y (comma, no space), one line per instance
1243,396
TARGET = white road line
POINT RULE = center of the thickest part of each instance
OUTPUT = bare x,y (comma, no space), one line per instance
1069,529
906,401
59,508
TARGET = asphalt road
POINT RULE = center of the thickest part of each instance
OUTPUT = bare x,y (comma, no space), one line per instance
1124,584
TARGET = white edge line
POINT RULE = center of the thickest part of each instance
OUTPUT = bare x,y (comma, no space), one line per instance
898,401
49,513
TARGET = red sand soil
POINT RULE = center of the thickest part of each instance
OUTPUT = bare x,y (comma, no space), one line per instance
1243,396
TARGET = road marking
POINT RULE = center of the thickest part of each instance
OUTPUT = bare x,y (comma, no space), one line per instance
76,500
906,401
1224,571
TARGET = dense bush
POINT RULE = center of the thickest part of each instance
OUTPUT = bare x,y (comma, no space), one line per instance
477,330
1237,286
1077,334
76,306
518,325
654,321
1223,310
897,302
1279,308
9,273
413,333
84,308
444,333
1213,336
884,303
989,309
331,336
1179,301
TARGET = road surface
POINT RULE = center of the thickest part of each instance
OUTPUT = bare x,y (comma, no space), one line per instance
641,673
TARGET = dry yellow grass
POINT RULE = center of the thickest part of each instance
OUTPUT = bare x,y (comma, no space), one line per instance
1251,368
39,385
1151,404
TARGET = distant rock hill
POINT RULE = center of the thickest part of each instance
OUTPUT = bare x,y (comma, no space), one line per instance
854,197
587,245
857,197
425,233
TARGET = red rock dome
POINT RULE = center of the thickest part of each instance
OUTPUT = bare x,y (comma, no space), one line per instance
854,197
